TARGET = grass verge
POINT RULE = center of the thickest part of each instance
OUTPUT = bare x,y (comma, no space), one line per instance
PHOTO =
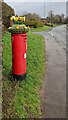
44,28
39,29
21,99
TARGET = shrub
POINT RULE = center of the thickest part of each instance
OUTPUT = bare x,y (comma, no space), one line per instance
30,23
38,24
49,24
34,24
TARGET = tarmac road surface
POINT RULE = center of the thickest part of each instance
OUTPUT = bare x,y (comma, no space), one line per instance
54,86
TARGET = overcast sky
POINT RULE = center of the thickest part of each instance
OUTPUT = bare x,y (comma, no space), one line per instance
41,8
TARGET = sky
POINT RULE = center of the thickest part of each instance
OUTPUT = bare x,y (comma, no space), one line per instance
41,7
36,0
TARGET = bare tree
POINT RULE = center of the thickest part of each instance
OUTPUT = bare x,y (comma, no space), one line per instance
51,15
32,16
62,17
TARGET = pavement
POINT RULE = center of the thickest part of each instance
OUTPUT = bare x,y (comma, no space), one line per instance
54,85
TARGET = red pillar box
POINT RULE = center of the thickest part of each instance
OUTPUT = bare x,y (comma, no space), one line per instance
19,49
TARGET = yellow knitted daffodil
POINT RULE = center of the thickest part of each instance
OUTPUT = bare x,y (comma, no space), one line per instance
24,18
17,27
25,27
20,18
11,19
16,18
28,27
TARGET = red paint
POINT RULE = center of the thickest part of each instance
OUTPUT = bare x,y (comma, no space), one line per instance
19,43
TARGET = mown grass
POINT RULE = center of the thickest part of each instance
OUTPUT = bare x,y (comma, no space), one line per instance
21,98
44,28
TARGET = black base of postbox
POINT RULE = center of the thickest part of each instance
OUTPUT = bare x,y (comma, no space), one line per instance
19,77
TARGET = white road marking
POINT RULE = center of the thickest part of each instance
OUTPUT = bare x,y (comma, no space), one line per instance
52,34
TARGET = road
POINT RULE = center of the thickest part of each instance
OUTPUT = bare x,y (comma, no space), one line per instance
54,85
